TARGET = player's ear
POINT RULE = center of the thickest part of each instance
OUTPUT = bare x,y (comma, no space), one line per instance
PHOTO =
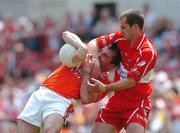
135,26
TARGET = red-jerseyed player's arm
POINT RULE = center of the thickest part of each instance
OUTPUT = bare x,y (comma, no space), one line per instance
143,69
109,39
140,73
122,84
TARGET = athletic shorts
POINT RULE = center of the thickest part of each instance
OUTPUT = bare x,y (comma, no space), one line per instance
121,118
44,102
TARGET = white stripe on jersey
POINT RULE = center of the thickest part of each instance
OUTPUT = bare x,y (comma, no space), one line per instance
141,41
122,71
119,39
100,116
142,105
147,77
140,52
151,58
111,75
132,115
137,61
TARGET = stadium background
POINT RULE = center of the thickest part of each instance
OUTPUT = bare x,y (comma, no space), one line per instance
30,38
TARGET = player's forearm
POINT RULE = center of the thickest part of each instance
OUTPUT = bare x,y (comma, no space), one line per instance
121,85
92,47
85,96
73,39
93,50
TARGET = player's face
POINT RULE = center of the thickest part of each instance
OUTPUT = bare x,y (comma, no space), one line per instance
122,24
105,57
125,28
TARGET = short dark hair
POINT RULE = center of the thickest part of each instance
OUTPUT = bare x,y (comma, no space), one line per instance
117,58
133,17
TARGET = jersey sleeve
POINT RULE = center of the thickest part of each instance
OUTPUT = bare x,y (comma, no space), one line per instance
109,39
143,69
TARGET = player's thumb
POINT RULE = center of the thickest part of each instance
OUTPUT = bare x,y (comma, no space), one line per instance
90,84
94,80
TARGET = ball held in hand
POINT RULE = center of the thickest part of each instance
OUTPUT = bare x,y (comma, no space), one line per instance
66,53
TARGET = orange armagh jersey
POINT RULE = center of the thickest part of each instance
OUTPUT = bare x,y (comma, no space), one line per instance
65,81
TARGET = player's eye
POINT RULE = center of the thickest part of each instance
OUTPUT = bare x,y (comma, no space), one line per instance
123,27
105,55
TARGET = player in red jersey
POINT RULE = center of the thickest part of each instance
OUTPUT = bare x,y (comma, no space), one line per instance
129,107
50,105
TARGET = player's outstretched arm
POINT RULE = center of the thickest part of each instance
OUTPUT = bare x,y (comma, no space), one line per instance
122,84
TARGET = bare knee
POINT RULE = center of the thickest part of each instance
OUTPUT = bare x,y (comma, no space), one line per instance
25,126
135,128
53,123
52,130
103,128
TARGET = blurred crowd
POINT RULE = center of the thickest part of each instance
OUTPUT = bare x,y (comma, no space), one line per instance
29,53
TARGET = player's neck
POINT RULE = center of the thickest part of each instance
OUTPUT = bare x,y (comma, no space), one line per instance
135,37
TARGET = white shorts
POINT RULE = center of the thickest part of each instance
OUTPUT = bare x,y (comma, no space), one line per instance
42,103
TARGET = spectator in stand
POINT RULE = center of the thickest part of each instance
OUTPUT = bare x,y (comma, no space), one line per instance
52,34
82,28
149,18
106,23
9,29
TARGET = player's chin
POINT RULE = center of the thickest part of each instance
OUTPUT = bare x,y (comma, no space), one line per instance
104,69
95,73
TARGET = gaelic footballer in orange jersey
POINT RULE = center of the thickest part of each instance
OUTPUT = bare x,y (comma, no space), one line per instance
65,81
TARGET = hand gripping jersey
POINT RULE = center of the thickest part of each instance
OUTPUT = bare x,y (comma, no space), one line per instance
107,78
138,62
65,81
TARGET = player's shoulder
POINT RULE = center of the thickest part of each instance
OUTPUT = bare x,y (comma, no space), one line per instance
148,52
148,47
118,38
117,34
148,42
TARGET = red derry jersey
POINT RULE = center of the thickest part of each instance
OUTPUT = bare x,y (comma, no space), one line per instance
137,62
65,81
118,101
107,78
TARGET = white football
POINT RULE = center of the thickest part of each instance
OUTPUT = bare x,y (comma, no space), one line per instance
66,53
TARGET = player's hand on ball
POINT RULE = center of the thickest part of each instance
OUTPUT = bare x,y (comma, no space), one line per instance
96,86
79,56
88,63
